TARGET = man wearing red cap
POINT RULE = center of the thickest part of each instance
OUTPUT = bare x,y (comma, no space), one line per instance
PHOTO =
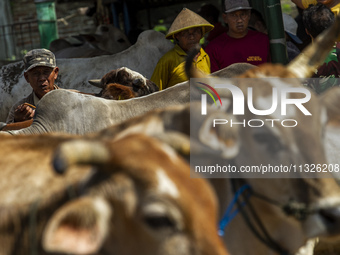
187,30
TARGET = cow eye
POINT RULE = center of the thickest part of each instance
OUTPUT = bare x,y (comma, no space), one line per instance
161,217
121,40
159,222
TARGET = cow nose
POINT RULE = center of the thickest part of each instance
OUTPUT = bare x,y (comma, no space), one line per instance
331,216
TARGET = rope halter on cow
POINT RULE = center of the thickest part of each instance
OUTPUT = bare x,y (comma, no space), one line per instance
298,210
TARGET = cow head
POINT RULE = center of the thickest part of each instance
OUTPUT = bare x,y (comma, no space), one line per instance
111,38
137,83
134,205
115,91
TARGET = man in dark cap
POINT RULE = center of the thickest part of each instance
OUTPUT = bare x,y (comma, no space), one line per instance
40,72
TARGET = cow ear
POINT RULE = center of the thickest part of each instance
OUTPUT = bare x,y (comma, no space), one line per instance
2,125
153,87
78,227
331,100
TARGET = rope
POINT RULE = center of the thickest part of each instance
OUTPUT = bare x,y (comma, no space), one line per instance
265,237
298,210
229,215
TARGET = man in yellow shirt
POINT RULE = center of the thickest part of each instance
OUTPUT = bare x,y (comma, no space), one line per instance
334,5
187,30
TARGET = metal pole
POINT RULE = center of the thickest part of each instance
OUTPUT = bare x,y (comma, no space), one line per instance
276,32
272,14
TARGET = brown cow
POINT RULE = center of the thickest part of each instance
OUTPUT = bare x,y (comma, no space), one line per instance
280,214
137,83
284,212
139,198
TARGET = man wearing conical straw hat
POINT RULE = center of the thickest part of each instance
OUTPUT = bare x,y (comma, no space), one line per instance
187,30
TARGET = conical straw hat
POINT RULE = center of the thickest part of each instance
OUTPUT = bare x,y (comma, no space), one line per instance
188,19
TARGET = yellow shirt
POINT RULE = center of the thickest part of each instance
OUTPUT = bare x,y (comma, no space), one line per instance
335,9
170,68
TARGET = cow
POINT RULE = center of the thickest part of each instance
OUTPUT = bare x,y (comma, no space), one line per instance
141,57
119,84
280,214
107,197
277,215
173,96
137,83
113,91
69,112
291,210
106,40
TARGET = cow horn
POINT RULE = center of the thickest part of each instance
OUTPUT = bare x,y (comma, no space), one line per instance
2,125
79,152
178,141
312,57
97,83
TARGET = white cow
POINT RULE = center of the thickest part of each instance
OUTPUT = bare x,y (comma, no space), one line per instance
107,40
142,57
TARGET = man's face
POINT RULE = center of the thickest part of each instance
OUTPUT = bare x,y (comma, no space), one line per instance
237,22
41,79
188,38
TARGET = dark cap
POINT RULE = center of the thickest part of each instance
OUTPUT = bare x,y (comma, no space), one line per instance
39,57
235,5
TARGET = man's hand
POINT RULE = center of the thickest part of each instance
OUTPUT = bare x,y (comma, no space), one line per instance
23,112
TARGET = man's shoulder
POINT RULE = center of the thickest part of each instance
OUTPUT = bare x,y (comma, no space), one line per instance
216,42
170,56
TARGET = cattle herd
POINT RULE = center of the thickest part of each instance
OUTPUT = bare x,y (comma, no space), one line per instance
109,172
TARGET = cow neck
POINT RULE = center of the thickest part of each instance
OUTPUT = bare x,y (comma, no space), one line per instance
243,192
262,234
